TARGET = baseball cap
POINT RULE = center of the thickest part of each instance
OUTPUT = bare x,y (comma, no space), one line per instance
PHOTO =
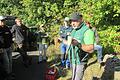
66,19
75,16
2,18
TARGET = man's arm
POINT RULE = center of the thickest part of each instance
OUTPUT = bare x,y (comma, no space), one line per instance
87,48
13,29
88,45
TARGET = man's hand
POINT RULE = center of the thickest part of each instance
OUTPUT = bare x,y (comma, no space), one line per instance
74,42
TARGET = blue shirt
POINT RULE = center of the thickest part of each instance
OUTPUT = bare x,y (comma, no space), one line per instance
64,31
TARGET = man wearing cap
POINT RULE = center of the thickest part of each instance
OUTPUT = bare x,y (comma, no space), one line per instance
5,47
81,45
65,31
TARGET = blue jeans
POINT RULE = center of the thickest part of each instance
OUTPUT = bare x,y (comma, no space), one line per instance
7,60
99,52
63,48
64,60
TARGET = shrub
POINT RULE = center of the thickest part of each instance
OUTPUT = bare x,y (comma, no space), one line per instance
110,39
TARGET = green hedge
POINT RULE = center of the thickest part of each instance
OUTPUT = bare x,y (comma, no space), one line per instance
110,39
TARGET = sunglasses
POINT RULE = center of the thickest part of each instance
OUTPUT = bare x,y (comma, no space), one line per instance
74,20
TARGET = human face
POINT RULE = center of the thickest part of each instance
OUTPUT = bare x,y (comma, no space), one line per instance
18,22
76,23
2,23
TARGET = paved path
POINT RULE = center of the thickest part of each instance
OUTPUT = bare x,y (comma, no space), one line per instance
33,72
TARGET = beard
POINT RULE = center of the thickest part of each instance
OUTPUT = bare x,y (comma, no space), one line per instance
74,27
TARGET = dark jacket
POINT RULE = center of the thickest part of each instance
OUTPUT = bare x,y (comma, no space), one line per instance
42,37
20,33
63,31
5,37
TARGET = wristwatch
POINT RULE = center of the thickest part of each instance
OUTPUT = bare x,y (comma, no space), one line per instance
79,45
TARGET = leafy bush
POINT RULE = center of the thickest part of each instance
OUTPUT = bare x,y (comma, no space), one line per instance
110,39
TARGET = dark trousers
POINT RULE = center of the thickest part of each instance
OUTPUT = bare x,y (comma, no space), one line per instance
23,51
3,73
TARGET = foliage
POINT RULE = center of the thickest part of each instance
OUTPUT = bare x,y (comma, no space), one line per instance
54,31
110,39
101,13
53,54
